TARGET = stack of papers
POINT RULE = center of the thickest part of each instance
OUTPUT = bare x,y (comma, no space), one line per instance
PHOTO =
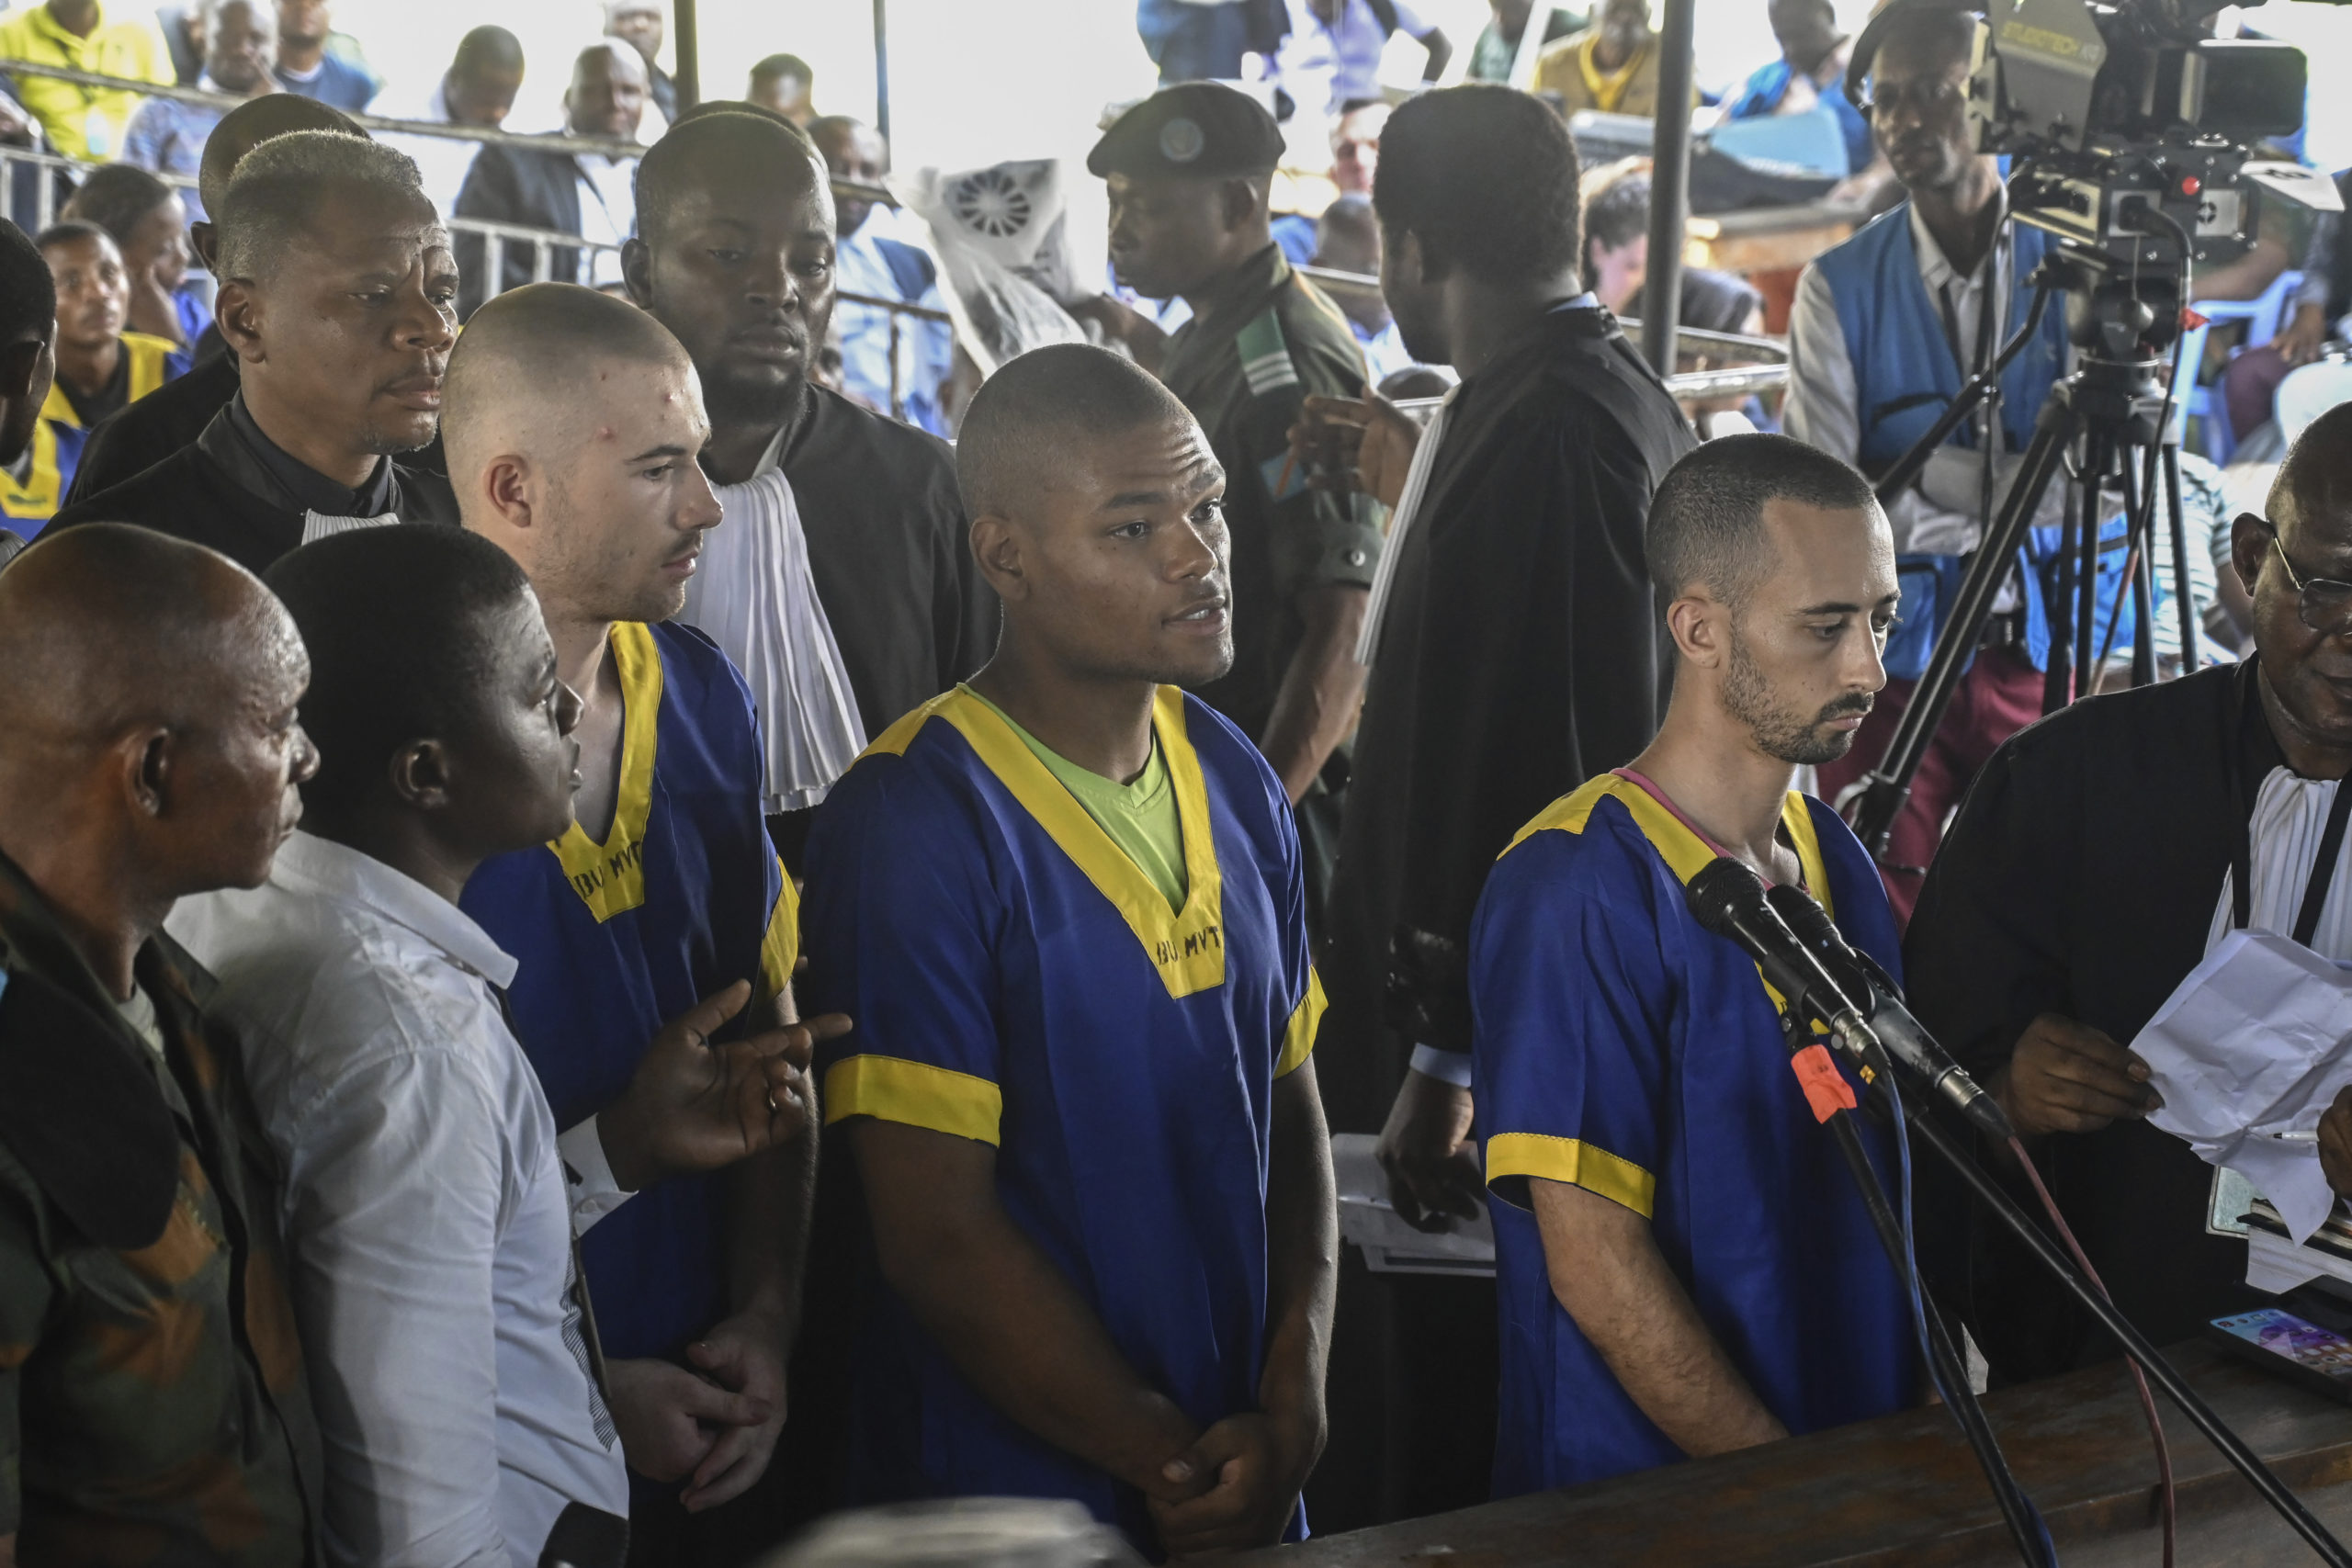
2256,1042
2273,1261
1390,1245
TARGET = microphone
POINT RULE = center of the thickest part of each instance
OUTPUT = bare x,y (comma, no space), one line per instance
1905,1039
1727,897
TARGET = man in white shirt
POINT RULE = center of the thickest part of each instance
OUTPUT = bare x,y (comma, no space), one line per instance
430,1206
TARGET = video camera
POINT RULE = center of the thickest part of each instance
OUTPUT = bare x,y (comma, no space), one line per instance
2113,111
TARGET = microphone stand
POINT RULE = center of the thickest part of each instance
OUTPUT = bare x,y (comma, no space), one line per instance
2135,1344
1949,1371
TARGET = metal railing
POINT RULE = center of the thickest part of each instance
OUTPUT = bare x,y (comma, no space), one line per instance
1764,366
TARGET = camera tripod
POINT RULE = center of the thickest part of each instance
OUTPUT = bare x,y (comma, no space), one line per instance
2112,418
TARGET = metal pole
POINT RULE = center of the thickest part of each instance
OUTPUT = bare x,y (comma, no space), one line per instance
1669,184
882,69
689,81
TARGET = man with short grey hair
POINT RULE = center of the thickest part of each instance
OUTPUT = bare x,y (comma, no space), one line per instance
337,296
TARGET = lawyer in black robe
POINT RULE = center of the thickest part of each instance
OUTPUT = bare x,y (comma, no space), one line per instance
2081,878
235,491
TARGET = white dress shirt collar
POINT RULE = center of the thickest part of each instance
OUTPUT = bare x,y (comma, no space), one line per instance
323,868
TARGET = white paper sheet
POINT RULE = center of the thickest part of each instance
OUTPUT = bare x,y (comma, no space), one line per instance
2256,1040
1390,1245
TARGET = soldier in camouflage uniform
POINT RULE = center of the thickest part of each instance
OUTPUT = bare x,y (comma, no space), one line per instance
152,1403
1188,170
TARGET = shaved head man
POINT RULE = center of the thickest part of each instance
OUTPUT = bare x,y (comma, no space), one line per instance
575,421
338,298
175,414
154,752
2099,857
853,514
992,939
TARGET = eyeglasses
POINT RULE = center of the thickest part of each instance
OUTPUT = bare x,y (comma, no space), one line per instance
2324,603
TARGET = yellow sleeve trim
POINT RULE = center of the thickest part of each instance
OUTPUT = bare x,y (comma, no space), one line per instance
915,1093
780,949
1298,1035
1574,1161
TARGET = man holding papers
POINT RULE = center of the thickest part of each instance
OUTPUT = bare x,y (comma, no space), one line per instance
2202,806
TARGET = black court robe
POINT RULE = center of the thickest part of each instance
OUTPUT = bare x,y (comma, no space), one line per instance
224,492
1520,654
147,432
887,546
2080,877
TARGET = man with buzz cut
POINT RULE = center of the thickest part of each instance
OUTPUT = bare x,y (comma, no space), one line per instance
1189,172
1683,1264
1066,905
336,297
574,424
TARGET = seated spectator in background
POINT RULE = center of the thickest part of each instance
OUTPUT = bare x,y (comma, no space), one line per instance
640,24
1357,32
1617,254
1355,159
1673,1223
430,1206
1811,70
156,426
1066,904
307,65
574,423
27,342
1496,49
1204,40
868,263
337,295
78,35
166,136
589,194
1612,66
1348,240
100,368
154,752
783,83
2250,382
148,226
477,89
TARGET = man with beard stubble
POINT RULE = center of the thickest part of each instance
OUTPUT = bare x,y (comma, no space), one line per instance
1667,1206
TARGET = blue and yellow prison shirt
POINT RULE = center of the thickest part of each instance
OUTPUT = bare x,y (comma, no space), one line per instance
59,436
1624,1048
682,899
1016,979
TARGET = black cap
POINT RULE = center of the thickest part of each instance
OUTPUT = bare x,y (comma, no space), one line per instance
1194,127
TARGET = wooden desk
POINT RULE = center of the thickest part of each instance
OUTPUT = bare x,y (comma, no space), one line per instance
1906,1490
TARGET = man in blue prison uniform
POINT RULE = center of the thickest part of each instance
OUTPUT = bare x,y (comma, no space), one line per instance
573,424
1065,904
1683,1264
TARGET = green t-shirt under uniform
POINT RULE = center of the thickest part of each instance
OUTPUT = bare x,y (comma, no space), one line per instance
1140,817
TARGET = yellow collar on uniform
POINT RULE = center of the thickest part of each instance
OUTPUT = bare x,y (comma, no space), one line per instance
610,877
146,354
1685,853
1186,947
1607,87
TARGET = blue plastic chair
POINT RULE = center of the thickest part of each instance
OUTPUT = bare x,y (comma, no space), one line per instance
2263,316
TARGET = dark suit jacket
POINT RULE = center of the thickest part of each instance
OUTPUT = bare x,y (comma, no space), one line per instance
514,184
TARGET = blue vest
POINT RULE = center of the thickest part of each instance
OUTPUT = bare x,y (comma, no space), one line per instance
1906,375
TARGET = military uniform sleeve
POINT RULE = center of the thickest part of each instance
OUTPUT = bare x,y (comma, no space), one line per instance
1572,1002
1319,538
900,917
25,1300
